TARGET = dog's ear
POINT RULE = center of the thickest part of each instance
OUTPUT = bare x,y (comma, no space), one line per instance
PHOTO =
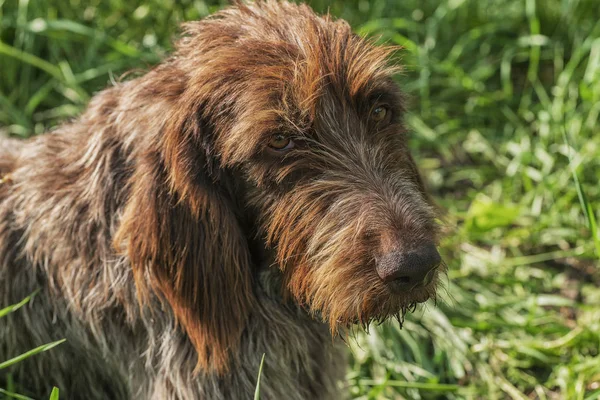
183,239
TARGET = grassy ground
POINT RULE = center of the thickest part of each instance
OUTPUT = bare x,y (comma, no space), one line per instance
505,99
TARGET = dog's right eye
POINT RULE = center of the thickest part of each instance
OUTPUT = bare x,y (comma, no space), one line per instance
380,114
281,142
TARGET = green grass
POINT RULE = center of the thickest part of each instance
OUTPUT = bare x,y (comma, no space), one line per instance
504,98
9,391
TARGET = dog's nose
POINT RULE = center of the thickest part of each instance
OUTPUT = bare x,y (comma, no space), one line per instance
411,269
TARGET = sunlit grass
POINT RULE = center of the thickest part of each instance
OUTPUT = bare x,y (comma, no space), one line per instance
504,98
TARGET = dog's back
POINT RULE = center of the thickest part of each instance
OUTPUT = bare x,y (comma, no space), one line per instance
29,209
9,151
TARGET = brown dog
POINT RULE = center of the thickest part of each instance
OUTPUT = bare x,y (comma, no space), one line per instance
252,194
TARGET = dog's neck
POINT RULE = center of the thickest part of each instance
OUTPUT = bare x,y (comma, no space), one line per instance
270,282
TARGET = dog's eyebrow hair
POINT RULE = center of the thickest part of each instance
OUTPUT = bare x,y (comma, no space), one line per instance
380,91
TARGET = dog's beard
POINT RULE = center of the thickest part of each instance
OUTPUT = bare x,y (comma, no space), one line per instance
348,293
389,306
386,306
325,236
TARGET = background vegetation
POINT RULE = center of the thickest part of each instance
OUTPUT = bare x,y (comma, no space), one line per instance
504,100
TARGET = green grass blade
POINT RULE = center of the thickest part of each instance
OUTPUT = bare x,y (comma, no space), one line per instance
593,226
54,394
412,385
30,353
260,369
31,60
15,307
14,395
583,200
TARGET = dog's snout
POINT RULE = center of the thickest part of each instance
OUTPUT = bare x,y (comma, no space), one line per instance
408,270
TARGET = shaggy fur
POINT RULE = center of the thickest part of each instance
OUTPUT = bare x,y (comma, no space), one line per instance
173,241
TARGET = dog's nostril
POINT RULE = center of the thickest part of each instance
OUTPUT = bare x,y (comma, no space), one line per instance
406,270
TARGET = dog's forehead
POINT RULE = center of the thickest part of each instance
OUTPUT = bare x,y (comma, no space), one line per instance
286,66
290,43
320,61
341,63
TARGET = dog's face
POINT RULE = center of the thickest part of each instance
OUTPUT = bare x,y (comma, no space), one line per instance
340,198
315,126
342,204
291,121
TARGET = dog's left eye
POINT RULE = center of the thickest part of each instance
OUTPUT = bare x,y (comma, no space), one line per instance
281,142
379,114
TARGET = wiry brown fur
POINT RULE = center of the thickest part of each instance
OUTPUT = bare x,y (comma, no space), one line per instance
173,247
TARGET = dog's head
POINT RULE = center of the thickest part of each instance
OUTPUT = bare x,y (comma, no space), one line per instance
287,126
